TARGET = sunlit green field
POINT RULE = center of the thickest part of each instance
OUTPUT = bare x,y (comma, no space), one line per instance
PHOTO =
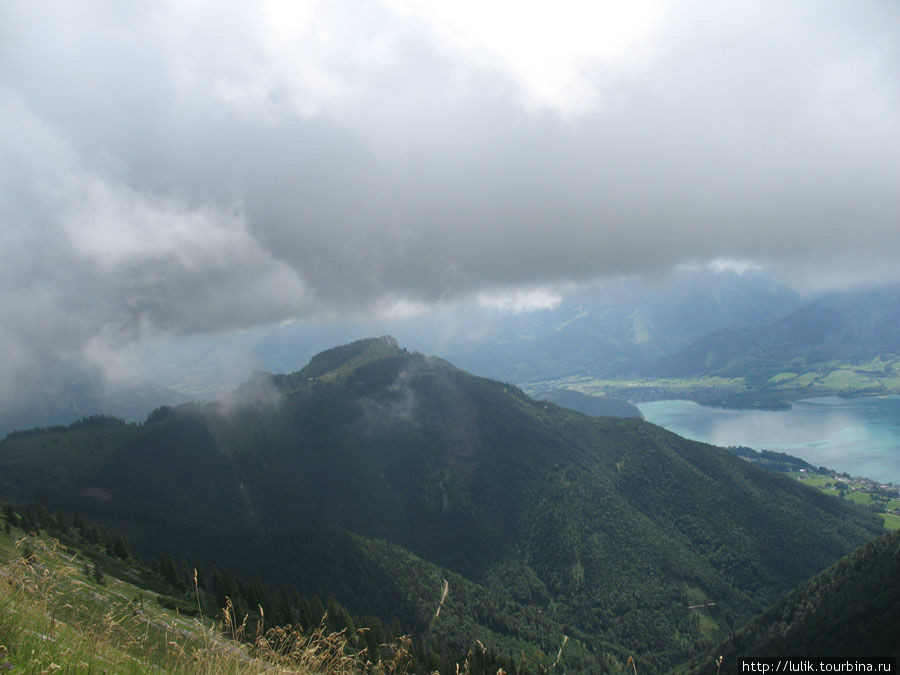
857,496
815,480
779,389
600,386
891,521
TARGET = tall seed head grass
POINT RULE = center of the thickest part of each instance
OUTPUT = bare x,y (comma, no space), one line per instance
53,618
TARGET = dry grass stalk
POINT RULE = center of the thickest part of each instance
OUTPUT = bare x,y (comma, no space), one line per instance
444,593
559,653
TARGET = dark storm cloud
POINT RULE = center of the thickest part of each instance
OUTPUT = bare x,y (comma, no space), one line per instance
185,168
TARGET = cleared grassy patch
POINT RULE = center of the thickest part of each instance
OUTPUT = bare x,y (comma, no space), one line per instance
707,626
672,387
805,380
817,480
891,521
782,377
846,379
374,352
859,497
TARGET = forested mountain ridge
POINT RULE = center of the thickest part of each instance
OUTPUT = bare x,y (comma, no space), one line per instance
851,610
607,529
598,406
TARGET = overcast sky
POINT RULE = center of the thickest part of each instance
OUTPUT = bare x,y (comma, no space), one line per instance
171,168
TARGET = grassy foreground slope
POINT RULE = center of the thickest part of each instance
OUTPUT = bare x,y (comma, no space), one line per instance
109,599
604,530
55,617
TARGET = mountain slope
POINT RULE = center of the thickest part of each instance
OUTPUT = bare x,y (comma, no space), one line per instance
608,528
64,392
598,406
853,326
852,609
615,328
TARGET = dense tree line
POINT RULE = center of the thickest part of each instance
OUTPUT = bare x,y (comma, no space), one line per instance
88,421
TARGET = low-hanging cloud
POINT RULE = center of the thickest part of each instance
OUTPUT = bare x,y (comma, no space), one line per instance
172,168
91,266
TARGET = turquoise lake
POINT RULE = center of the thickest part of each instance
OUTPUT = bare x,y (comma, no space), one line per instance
860,436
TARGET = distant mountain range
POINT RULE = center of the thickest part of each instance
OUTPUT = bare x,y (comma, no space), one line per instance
694,323
774,345
67,393
853,326
373,474
616,328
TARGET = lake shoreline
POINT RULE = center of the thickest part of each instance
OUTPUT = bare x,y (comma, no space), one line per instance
859,435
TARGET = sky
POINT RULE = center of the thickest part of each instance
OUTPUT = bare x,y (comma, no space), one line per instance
191,168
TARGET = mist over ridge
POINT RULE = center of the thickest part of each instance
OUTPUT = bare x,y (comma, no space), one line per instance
326,163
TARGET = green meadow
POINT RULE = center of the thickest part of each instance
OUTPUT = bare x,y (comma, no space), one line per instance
855,493
762,390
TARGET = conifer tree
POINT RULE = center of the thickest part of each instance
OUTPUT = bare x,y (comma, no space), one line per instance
27,522
92,535
42,518
98,575
78,524
169,572
10,515
117,545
